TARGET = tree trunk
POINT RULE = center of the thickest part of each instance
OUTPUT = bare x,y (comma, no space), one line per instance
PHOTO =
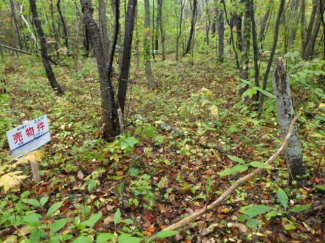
293,21
269,64
103,27
312,32
244,62
125,67
109,109
303,26
55,33
45,58
193,22
255,44
321,16
149,75
156,28
162,34
231,34
65,30
14,17
179,29
221,35
208,23
285,112
265,21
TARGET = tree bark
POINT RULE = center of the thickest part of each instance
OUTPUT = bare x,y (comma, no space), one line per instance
269,64
103,27
65,30
162,33
255,44
231,34
179,29
54,33
109,110
45,58
189,45
244,62
312,33
127,46
293,21
14,17
285,112
148,71
221,34
265,21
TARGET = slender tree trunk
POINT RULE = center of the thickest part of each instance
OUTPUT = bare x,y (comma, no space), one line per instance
126,61
149,75
179,29
109,109
193,22
269,64
156,34
244,63
65,30
221,34
103,26
255,44
303,26
312,32
265,21
208,23
321,16
45,58
285,112
14,17
119,37
293,21
162,33
231,34
55,33
137,40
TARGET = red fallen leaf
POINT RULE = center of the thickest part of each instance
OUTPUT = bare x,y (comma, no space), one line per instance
42,190
208,172
249,150
45,183
149,217
318,180
151,229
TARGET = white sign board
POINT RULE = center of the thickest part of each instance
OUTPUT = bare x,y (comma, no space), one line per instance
29,136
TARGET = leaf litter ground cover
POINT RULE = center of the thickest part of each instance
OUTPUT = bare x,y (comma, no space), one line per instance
175,158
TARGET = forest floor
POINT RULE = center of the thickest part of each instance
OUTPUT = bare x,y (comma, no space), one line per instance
179,137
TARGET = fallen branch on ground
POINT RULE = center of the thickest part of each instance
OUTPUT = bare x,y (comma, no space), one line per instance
234,186
16,50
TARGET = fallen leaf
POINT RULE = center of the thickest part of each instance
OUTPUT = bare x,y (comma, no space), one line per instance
80,175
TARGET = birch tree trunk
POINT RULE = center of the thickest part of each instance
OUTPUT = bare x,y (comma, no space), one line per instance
45,58
285,113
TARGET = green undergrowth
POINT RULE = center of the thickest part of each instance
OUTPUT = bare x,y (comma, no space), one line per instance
185,143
